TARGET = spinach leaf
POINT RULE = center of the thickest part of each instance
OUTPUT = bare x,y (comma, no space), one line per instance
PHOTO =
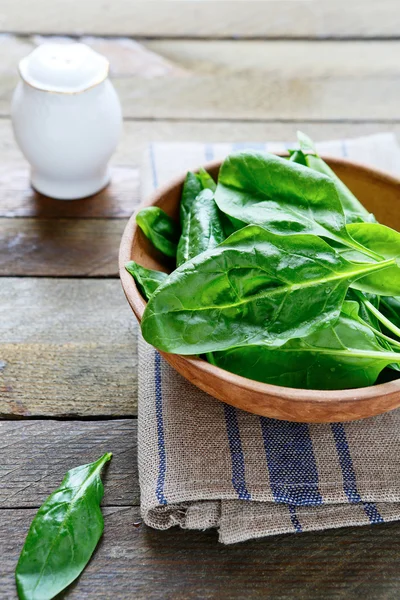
207,182
346,355
201,228
298,157
160,229
353,209
354,309
63,534
147,280
371,307
390,307
254,287
192,187
354,297
196,214
283,196
385,242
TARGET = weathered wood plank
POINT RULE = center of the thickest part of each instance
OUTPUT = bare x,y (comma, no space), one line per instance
137,562
17,199
68,348
37,454
60,247
273,18
189,79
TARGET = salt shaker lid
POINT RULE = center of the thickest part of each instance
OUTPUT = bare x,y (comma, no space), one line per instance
67,68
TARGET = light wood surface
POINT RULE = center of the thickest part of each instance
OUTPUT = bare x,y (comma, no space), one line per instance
134,562
68,343
205,18
199,79
147,564
36,454
64,247
68,348
124,194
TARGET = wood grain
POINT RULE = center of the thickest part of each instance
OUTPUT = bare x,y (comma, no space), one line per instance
68,348
60,247
144,563
191,79
137,562
37,454
17,199
220,18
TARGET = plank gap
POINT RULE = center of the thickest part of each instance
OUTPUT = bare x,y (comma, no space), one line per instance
68,418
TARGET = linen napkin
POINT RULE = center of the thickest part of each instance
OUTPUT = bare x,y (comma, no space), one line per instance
205,464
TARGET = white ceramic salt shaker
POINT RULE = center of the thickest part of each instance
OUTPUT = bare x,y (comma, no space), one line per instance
67,119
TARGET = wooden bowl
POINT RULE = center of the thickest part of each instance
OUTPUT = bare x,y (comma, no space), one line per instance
380,193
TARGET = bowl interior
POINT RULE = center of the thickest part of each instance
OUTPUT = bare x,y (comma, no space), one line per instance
379,193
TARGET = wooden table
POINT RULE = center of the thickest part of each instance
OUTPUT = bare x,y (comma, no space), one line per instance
211,71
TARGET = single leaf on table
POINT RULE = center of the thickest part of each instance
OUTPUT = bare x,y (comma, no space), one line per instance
63,534
201,228
147,280
385,242
283,196
254,287
353,209
346,355
160,229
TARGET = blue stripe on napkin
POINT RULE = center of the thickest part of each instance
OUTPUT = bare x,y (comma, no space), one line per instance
236,450
294,518
162,465
291,462
162,457
349,476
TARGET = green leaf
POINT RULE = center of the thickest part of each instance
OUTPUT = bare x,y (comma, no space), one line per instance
373,309
390,307
147,280
346,355
63,534
254,287
353,209
191,189
207,182
359,313
160,229
298,157
385,242
285,197
195,216
354,302
201,228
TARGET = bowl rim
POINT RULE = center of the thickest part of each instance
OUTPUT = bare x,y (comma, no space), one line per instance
298,395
